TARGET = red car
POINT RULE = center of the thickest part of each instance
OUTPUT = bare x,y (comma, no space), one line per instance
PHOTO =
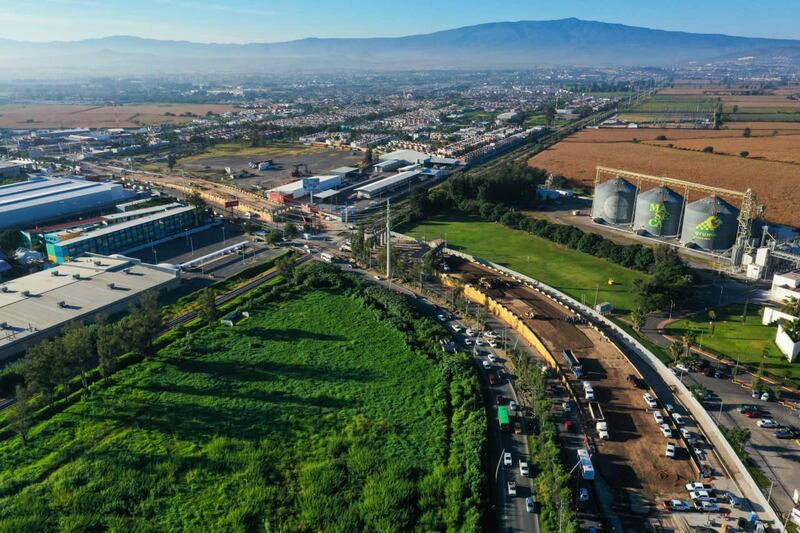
492,379
500,400
568,425
753,414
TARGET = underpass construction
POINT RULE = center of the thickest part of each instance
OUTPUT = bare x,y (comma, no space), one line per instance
632,462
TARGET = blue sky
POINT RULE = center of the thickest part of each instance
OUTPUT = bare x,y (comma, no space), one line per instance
279,20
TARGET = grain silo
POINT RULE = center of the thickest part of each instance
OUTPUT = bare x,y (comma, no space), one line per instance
658,212
710,223
614,201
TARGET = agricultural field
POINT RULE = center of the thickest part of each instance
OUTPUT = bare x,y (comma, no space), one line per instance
33,116
770,169
735,339
315,414
577,274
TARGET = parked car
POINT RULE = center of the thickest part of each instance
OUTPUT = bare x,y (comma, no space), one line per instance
470,332
682,367
786,433
441,317
706,507
679,419
512,488
702,496
456,328
765,397
747,407
649,400
734,500
530,504
507,459
697,485
768,423
493,343
524,470
659,418
486,365
468,342
492,379
666,430
567,407
490,334
669,407
670,451
676,505
500,399
513,405
517,428
492,358
754,414
583,494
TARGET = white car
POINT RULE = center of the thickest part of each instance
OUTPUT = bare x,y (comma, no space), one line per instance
697,485
493,344
513,405
479,342
492,358
468,341
649,400
670,452
679,419
524,470
683,368
486,365
567,407
659,418
702,496
765,397
470,332
512,488
456,328
666,431
669,407
490,334
679,505
686,433
767,423
441,318
507,459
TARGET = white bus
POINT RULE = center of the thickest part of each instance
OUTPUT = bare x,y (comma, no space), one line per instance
327,257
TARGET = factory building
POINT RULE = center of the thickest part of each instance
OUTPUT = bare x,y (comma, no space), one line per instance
38,306
390,184
300,188
124,237
402,158
46,199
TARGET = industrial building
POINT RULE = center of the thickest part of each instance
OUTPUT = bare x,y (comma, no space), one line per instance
124,237
401,158
38,306
785,286
45,199
14,168
300,188
390,184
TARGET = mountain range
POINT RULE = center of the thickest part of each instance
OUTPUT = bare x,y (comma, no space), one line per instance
523,44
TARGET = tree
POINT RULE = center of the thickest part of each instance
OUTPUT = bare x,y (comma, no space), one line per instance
78,350
39,370
738,438
207,305
10,240
171,160
195,199
638,318
368,158
549,114
286,267
791,306
675,349
744,153
687,340
290,230
712,320
274,237
143,324
107,345
746,132
20,415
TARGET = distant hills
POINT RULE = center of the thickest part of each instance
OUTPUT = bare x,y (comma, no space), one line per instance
568,42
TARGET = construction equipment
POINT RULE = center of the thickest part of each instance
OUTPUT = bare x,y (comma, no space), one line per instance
296,173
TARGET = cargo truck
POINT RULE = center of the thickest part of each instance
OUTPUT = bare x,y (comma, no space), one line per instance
600,420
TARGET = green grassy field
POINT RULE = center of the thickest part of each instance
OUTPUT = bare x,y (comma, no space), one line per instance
677,103
733,338
572,272
311,415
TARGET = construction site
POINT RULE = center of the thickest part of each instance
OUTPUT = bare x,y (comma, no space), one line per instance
632,460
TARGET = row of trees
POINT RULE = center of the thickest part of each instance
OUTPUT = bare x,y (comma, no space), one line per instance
50,366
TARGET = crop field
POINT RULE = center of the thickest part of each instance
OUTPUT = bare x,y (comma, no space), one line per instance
577,274
770,169
735,339
314,414
32,116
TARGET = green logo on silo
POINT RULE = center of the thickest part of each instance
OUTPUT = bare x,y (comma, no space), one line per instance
660,215
707,228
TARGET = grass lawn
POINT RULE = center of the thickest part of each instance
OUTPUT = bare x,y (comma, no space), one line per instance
572,272
734,339
311,415
270,150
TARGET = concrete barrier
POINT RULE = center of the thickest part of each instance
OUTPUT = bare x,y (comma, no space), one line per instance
741,476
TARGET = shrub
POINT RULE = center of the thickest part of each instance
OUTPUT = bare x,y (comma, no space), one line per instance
661,138
708,149
744,153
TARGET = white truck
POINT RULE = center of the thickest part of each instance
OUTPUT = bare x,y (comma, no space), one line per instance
600,420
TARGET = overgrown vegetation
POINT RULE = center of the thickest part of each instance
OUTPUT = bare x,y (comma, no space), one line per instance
331,408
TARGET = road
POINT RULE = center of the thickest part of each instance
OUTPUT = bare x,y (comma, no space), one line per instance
510,511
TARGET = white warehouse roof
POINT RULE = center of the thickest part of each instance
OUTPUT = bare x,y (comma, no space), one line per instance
30,306
296,190
387,183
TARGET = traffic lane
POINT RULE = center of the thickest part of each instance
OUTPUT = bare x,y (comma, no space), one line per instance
778,458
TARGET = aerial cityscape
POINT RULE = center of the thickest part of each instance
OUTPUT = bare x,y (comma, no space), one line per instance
275,266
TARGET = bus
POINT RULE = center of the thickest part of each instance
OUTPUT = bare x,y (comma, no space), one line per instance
587,468
573,363
327,257
502,417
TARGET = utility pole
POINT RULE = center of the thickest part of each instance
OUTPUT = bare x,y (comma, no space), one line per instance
388,244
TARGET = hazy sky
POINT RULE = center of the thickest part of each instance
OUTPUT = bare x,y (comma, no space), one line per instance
279,20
